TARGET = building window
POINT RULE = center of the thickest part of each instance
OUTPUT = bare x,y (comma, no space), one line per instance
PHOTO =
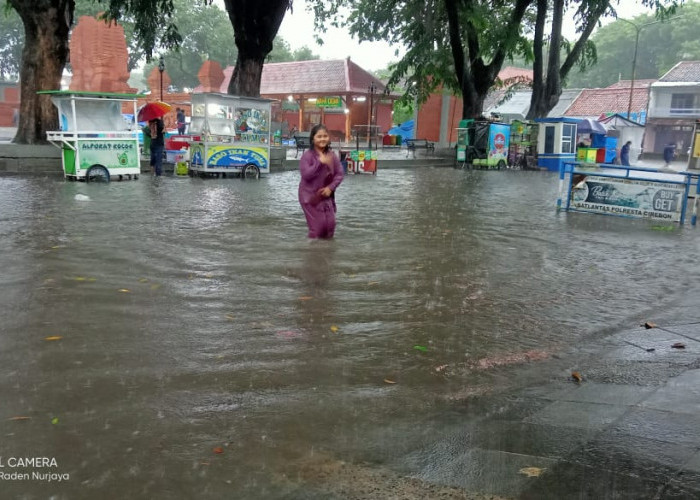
567,138
682,104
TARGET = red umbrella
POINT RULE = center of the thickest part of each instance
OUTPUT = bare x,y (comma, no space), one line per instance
152,110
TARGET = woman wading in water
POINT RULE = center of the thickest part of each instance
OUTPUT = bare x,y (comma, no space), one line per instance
321,174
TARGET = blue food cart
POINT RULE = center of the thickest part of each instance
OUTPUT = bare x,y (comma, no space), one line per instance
234,135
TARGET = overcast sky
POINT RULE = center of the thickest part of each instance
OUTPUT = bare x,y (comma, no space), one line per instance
297,29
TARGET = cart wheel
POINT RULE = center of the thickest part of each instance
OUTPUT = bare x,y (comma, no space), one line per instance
136,177
501,164
97,173
121,178
250,171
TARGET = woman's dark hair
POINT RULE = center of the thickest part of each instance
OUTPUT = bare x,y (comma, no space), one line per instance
313,133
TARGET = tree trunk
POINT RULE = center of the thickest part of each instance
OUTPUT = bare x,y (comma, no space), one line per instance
546,95
474,76
255,25
537,105
46,27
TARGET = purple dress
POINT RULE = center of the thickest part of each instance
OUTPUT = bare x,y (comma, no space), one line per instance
319,211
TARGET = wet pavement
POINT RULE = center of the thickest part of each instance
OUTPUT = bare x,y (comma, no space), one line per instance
180,338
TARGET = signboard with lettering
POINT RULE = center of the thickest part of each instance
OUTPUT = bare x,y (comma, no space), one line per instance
109,153
655,200
329,102
362,162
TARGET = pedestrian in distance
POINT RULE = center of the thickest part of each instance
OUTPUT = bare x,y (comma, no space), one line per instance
181,122
625,154
156,129
669,154
321,174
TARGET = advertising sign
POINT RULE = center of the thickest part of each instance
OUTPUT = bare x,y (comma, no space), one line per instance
329,102
109,153
655,200
229,156
362,162
499,137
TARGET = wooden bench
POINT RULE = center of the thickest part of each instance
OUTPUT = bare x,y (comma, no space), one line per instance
303,143
413,144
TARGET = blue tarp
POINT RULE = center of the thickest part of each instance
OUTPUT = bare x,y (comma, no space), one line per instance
406,130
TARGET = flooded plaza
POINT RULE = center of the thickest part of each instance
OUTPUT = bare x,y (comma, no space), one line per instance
182,338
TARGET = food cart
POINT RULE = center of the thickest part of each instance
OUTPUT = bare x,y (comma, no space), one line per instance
234,135
523,142
483,143
96,141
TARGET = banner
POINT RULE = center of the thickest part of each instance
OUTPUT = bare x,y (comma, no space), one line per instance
655,200
110,153
329,102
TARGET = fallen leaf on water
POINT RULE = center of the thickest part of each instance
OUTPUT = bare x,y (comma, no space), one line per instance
143,280
388,381
531,471
334,329
305,297
155,286
53,337
124,290
230,317
19,418
55,247
576,376
204,463
440,368
649,325
373,283
79,278
651,349
678,345
54,420
208,276
219,450
420,348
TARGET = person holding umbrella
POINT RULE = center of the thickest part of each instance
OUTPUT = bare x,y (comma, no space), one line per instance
152,112
156,128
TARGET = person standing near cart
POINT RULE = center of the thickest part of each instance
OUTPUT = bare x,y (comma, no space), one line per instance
157,145
321,174
181,122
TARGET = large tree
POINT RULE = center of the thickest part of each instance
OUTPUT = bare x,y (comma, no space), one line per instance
547,84
44,55
255,25
457,44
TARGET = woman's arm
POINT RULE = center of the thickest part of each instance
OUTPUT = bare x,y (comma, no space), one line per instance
337,173
309,165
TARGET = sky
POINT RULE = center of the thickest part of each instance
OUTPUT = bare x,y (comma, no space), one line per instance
297,29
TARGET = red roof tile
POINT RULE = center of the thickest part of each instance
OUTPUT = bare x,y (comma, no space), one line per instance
626,84
594,102
317,77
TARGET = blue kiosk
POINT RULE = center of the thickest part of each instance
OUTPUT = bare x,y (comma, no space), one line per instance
556,142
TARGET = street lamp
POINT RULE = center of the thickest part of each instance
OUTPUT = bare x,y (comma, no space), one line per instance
161,68
637,28
371,89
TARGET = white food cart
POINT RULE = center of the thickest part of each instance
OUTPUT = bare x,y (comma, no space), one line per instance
97,142
234,135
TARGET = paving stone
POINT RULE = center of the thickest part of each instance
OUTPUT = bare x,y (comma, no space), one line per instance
570,481
591,392
634,455
575,414
672,427
476,470
690,330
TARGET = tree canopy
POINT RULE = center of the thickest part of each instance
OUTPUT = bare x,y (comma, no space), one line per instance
661,46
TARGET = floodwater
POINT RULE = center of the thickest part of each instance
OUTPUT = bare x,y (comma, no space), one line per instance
181,338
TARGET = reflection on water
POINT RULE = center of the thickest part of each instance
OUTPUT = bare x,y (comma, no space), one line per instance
196,315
